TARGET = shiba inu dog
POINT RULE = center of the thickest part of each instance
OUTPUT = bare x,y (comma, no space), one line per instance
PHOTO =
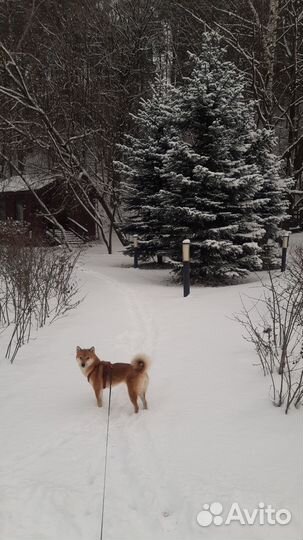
102,375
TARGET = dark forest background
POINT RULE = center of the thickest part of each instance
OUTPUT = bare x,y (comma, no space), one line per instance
73,71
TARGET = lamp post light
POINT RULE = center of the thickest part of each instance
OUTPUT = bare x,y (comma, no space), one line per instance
285,244
135,242
186,266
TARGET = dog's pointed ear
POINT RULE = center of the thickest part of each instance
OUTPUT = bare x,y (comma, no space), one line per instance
92,349
78,349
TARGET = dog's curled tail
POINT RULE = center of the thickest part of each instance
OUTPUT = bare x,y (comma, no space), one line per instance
140,363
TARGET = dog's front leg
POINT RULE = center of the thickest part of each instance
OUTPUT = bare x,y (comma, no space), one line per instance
98,393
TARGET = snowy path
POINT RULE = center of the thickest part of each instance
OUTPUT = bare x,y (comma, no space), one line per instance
210,433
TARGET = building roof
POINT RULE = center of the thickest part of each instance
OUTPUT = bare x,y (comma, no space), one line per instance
18,183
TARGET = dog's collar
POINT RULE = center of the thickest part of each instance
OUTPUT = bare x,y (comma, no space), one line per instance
92,371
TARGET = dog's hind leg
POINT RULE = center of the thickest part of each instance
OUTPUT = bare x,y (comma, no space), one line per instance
143,399
133,397
143,391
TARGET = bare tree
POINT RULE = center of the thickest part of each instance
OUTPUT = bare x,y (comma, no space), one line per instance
41,128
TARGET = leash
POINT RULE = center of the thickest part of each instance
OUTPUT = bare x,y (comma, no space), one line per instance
106,453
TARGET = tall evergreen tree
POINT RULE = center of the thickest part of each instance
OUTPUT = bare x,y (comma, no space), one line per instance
212,193
275,192
141,166
200,168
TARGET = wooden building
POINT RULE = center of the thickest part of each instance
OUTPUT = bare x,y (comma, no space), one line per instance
18,202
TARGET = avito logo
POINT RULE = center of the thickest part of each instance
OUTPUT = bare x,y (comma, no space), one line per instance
261,515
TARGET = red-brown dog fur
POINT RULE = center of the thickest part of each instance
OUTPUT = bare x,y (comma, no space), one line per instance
134,375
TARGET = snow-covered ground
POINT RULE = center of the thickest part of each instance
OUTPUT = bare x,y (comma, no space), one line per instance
210,434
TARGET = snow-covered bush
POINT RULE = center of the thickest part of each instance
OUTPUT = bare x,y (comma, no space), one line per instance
37,285
274,324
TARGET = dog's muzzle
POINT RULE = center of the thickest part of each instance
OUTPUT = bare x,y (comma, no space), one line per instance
83,365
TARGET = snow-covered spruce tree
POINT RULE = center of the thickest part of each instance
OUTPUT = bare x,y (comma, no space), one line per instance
216,210
140,169
211,189
275,192
223,187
